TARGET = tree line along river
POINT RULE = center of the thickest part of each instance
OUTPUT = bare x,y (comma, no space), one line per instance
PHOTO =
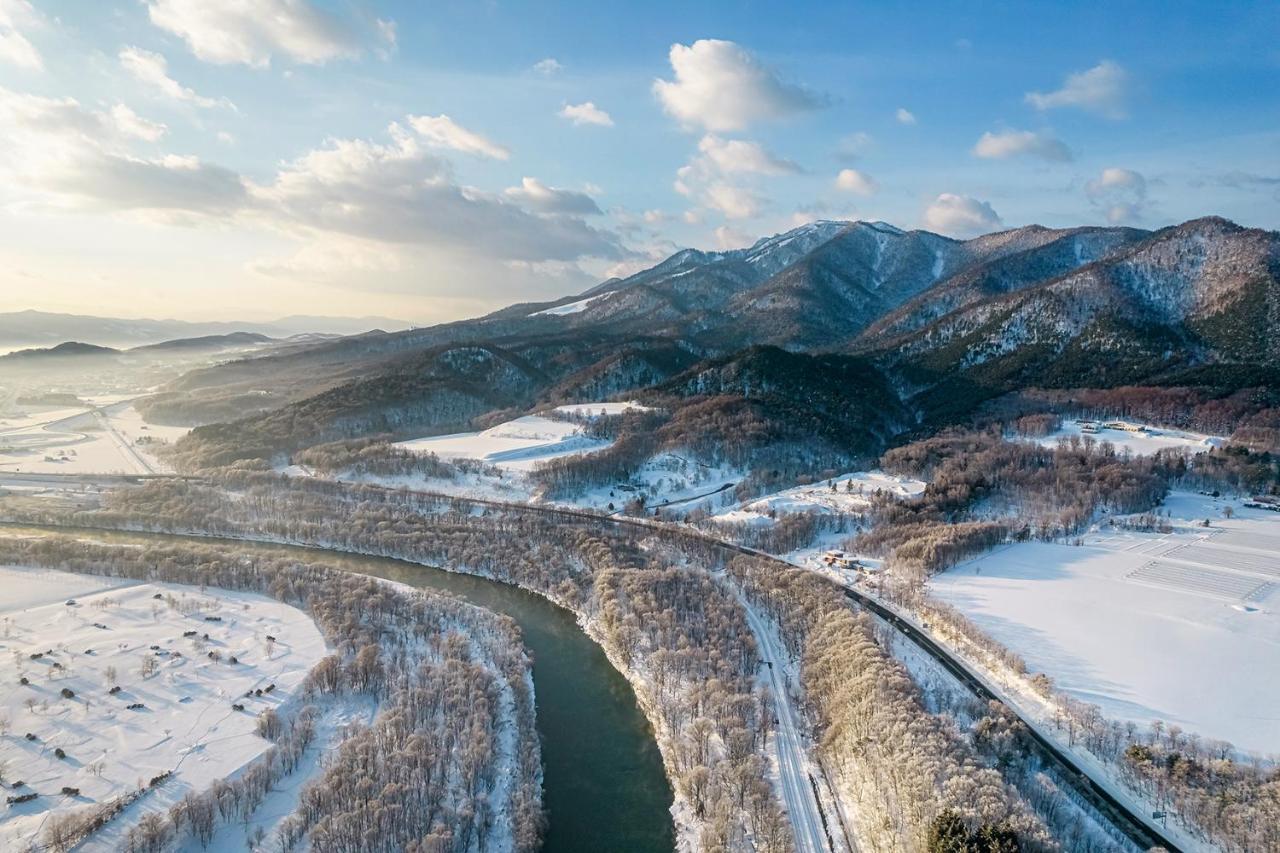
604,788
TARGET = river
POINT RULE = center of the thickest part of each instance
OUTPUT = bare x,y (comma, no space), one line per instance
604,788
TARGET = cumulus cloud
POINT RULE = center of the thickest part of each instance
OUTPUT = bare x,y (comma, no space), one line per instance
547,66
905,116
858,183
729,156
1120,193
62,154
586,113
443,132
538,196
731,238
734,202
710,177
961,216
153,69
132,124
1102,89
1017,143
396,192
15,48
251,32
721,87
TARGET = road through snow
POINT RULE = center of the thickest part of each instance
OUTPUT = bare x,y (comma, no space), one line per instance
793,774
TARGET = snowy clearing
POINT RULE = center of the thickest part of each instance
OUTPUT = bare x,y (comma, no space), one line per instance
851,495
1137,438
568,308
515,445
1173,626
75,637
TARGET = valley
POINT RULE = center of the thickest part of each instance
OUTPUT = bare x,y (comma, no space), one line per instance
1027,546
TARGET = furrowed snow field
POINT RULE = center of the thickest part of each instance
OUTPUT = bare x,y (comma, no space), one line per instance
1149,440
1182,626
186,723
109,440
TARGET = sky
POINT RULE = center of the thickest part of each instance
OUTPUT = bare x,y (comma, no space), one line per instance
246,159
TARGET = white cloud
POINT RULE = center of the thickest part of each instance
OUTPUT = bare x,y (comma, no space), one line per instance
858,183
729,156
961,216
15,48
153,69
547,66
734,202
251,32
1101,89
538,196
905,116
132,124
443,132
62,154
586,113
1016,143
226,138
397,193
731,238
1120,193
719,86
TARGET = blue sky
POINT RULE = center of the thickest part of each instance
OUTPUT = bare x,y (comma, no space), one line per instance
247,158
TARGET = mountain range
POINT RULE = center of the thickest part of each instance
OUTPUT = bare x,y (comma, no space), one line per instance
945,323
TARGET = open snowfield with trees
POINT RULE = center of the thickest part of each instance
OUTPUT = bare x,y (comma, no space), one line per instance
112,683
846,494
1139,439
1168,621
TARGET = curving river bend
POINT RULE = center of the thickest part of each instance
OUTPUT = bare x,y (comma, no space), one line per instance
604,788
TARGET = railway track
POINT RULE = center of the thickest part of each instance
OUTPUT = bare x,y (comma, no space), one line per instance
1142,832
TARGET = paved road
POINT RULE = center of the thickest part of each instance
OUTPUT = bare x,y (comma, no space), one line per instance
122,442
803,809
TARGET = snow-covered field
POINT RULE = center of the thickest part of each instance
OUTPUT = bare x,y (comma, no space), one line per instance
515,445
514,448
846,494
111,440
185,722
1149,440
1181,626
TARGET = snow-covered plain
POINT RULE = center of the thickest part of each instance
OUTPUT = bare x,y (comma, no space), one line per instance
109,440
1150,440
1182,627
851,494
187,724
515,445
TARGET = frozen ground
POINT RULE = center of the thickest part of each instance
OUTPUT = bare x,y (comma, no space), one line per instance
109,440
513,449
1150,440
515,445
851,494
1182,626
186,724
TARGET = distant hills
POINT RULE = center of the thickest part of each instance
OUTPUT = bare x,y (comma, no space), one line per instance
21,329
921,328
